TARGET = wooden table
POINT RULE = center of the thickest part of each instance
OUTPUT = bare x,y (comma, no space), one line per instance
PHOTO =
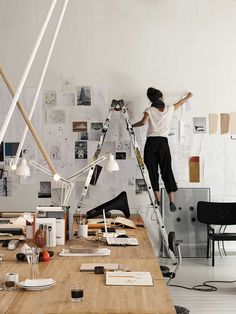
98,298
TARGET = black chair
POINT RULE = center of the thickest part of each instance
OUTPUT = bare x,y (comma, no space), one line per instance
221,214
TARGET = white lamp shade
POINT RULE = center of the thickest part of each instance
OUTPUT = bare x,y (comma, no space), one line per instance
111,164
23,169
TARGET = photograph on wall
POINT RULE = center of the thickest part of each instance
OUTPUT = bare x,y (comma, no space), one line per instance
11,149
80,126
199,125
83,96
95,131
140,186
49,98
83,136
56,116
120,155
81,150
44,189
68,100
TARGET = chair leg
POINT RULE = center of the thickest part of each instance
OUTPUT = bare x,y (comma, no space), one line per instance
213,252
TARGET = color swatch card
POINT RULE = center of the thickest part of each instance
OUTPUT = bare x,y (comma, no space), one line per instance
194,169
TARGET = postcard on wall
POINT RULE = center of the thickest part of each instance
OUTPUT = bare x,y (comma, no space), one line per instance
81,150
49,98
83,96
95,131
45,189
80,126
56,116
199,124
140,186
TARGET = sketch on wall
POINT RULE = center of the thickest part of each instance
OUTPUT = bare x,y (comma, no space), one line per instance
49,98
83,96
68,100
56,116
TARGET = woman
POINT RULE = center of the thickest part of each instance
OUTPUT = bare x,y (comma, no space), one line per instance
156,151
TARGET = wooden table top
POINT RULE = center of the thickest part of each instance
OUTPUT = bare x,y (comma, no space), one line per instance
98,298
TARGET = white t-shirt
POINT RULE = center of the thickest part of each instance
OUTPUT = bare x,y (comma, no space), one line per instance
159,121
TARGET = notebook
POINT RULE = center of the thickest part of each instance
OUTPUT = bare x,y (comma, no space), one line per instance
117,241
122,278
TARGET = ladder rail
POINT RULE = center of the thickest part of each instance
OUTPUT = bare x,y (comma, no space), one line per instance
120,106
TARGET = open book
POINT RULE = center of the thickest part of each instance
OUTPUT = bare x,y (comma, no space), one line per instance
118,221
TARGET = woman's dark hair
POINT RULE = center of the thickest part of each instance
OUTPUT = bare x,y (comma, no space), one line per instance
154,94
159,104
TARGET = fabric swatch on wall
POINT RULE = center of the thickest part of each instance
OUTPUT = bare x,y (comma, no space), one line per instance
194,169
213,122
232,123
224,123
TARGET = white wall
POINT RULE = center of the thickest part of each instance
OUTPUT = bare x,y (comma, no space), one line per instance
129,45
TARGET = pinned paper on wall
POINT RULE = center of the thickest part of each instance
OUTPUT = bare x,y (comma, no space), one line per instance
194,169
224,123
49,98
81,150
213,122
99,95
68,85
232,123
95,131
56,116
83,96
199,124
45,189
5,183
68,99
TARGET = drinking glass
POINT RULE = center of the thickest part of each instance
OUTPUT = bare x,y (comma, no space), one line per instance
77,292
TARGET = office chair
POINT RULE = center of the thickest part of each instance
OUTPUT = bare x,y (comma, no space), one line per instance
221,214
175,248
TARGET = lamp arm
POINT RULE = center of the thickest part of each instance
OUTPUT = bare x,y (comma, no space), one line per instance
26,71
87,168
19,149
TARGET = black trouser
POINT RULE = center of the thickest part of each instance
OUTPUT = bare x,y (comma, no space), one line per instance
157,152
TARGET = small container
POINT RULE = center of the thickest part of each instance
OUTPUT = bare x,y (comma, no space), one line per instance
83,230
10,281
99,270
77,293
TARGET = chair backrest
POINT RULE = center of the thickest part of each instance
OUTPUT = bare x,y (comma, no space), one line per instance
216,213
